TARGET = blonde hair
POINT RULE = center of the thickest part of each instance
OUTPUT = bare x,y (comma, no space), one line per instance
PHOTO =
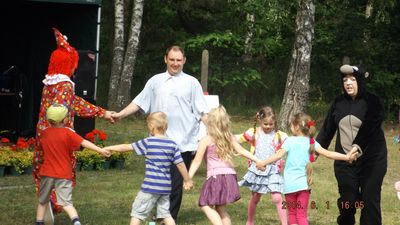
218,127
307,128
158,120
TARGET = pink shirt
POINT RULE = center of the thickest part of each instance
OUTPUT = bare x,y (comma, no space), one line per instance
216,166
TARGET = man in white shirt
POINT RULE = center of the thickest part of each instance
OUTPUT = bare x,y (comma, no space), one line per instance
180,96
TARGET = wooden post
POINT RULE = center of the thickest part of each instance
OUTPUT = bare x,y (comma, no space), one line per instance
204,70
346,60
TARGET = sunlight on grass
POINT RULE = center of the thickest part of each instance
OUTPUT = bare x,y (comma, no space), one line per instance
105,197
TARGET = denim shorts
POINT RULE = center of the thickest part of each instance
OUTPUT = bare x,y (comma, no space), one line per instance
145,202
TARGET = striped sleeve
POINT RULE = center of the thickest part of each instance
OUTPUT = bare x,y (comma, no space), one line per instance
177,156
140,147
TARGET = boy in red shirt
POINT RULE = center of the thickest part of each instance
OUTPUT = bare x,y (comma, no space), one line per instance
59,143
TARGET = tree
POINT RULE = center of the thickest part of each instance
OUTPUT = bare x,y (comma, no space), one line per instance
118,53
297,83
124,58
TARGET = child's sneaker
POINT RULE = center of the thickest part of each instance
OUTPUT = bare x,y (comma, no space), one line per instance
77,223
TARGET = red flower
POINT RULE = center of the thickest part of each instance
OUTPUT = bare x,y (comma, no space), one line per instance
5,140
90,136
96,135
95,131
21,143
102,136
31,141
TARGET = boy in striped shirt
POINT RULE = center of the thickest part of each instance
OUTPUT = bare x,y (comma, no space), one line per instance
160,152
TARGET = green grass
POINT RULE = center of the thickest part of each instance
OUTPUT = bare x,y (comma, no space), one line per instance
105,197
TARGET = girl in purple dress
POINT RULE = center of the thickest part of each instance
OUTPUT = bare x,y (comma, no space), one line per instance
217,148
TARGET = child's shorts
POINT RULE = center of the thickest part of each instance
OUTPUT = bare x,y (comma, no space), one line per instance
145,202
63,190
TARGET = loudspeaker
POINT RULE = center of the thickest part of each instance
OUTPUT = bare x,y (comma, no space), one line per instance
9,112
85,81
12,90
85,74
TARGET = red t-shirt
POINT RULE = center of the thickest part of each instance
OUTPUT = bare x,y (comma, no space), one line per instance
58,145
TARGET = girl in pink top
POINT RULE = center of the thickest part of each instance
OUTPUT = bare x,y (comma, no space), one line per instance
217,148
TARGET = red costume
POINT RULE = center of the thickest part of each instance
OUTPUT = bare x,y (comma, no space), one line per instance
59,89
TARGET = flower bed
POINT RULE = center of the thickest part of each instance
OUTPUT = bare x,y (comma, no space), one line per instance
16,158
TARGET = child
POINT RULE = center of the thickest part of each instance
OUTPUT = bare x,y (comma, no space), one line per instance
264,140
298,149
220,187
397,187
160,152
59,143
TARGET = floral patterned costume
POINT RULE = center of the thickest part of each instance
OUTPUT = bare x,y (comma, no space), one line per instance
59,89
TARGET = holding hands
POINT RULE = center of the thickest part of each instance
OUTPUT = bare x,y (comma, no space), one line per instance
105,152
353,154
108,116
261,165
116,116
188,185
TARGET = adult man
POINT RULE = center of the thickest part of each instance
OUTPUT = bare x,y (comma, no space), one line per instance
180,96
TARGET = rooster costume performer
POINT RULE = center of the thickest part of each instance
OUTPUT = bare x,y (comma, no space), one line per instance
59,89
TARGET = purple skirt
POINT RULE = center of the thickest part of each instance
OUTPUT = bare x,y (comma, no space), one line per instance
219,190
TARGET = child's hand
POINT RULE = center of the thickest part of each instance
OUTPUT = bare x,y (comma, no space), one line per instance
188,185
261,165
352,155
105,152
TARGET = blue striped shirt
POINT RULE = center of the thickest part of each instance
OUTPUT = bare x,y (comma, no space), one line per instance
160,153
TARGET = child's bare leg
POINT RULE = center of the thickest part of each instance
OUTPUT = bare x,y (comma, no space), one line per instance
226,219
251,209
277,200
212,215
135,221
71,211
40,211
169,221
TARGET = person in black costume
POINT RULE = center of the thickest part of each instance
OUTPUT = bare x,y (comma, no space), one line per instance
356,116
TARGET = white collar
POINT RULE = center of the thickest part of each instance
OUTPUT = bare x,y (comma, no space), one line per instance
57,78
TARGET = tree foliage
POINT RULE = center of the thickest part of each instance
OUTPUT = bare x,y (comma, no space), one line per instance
221,26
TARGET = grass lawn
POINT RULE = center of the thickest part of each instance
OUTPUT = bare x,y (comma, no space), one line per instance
105,197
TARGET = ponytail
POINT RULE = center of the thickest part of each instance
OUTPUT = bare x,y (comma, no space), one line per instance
307,127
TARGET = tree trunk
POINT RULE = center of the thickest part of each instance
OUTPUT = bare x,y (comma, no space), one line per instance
118,53
249,36
297,83
124,90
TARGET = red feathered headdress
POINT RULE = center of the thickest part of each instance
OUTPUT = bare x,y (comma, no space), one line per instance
64,59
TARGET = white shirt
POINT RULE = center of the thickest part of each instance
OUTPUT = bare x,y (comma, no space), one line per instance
181,98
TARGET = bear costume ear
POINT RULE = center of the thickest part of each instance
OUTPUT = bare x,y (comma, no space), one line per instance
347,69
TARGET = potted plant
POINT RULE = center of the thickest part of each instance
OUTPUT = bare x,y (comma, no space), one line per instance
90,159
20,161
118,159
4,161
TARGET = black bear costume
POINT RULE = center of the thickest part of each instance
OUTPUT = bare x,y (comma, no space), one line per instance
357,121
